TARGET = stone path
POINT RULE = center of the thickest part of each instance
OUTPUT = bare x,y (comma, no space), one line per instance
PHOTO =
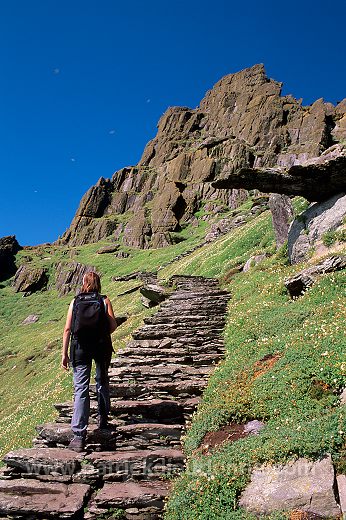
155,383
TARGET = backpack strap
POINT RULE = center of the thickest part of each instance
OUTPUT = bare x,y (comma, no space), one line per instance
72,347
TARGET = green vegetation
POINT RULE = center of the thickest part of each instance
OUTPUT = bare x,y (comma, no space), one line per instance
331,237
284,363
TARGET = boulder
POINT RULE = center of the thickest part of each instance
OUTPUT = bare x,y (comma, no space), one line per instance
69,276
282,214
32,318
120,320
9,247
222,227
307,229
30,279
154,292
147,303
252,261
253,427
300,282
108,249
301,485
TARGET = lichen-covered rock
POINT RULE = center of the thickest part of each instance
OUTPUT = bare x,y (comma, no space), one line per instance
307,230
30,279
300,282
108,249
9,247
252,261
154,292
282,214
304,485
138,231
69,276
32,318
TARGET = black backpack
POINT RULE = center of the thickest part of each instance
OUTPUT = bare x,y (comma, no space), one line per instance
90,325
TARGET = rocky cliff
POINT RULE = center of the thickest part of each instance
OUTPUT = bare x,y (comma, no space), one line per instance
242,124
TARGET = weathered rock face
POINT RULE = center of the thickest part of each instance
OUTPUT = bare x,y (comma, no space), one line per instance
316,178
9,247
29,279
303,485
307,230
69,276
242,130
282,214
300,282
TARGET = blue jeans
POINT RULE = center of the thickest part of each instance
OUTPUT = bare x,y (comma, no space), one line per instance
81,407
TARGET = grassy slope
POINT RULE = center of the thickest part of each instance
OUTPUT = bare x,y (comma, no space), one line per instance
296,396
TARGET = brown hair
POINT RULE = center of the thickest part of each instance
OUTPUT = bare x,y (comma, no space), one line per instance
91,282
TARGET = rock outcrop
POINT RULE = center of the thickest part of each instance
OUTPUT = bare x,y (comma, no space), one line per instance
282,215
243,135
69,276
302,485
9,247
300,282
307,231
316,179
30,279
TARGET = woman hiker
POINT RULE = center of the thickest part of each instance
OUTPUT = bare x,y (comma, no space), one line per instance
89,323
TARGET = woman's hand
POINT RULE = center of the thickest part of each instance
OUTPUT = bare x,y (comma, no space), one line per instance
65,360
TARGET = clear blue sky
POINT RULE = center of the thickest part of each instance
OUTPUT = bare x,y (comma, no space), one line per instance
83,84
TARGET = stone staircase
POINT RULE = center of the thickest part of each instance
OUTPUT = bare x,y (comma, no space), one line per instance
155,385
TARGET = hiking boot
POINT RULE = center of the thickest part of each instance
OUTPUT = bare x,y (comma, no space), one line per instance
102,422
77,444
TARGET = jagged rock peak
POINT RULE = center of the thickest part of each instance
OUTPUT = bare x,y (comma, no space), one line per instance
243,122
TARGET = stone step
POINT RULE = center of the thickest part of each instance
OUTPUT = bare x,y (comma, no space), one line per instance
159,372
168,346
30,498
153,332
161,318
193,294
207,303
59,434
182,389
44,461
159,410
181,280
139,500
148,436
137,465
138,358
